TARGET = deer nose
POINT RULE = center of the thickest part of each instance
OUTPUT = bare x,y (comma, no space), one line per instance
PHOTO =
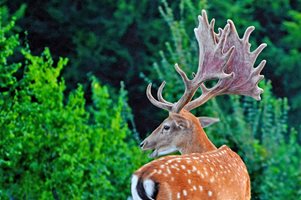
143,143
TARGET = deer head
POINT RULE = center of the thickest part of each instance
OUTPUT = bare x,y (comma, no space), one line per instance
176,133
222,56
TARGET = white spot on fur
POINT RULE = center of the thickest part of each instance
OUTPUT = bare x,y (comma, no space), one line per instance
209,193
194,187
189,181
178,195
184,192
183,166
201,188
175,167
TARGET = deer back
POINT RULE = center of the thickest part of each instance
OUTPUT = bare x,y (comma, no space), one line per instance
219,174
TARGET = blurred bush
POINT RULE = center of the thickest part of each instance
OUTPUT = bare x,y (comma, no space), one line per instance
258,131
52,145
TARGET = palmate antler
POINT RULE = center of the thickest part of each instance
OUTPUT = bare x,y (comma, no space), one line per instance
223,56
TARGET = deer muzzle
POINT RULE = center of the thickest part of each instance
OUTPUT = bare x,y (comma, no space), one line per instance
146,145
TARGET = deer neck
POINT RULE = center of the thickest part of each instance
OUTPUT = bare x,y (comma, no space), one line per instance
199,143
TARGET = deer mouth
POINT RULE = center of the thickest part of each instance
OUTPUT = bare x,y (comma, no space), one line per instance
157,151
145,145
154,154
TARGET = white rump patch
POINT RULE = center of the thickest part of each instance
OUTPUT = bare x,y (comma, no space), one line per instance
149,187
134,188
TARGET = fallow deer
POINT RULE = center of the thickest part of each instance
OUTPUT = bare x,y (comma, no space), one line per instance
202,171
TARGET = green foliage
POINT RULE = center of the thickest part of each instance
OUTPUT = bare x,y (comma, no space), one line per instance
122,35
258,131
106,38
110,38
53,145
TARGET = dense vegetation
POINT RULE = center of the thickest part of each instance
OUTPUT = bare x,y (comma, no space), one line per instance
108,38
54,145
64,140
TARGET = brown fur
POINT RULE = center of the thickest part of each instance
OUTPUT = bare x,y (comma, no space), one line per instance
202,172
220,173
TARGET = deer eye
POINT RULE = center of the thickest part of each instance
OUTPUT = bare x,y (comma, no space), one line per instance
166,127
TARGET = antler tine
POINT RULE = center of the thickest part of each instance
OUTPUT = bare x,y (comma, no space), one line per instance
245,78
189,91
159,94
182,74
155,102
247,34
204,17
257,51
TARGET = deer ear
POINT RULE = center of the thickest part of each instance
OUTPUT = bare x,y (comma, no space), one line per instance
207,121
